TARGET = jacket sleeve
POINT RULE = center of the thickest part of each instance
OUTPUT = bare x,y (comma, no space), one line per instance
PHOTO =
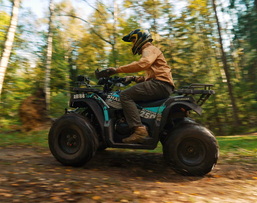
149,55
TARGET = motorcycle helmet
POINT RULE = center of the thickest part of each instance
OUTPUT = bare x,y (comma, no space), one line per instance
141,37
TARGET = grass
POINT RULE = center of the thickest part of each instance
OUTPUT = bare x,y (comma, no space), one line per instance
243,148
35,138
232,143
238,148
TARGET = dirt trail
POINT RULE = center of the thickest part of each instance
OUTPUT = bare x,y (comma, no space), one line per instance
33,175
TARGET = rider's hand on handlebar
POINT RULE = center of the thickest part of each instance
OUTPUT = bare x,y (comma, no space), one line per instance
111,71
139,79
106,73
129,79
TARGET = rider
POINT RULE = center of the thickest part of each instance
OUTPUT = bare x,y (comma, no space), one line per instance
156,84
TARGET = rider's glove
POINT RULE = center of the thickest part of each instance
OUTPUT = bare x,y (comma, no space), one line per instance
105,73
129,79
111,71
139,79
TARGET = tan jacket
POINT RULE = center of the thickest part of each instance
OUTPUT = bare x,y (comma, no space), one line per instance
152,62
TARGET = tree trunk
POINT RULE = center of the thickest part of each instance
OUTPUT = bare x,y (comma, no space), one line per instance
115,17
9,42
226,68
49,57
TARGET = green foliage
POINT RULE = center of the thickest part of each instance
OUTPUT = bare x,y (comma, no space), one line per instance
59,66
91,55
4,22
187,36
58,104
18,85
191,46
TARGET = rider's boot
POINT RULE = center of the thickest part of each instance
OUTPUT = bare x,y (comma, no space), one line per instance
138,136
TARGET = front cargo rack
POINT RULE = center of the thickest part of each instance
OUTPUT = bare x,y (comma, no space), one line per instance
195,89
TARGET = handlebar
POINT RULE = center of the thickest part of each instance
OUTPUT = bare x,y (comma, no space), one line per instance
203,90
106,73
104,78
114,80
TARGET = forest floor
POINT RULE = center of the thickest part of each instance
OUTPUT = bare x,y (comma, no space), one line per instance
33,175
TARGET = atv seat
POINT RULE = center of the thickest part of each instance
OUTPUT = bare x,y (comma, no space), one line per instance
151,103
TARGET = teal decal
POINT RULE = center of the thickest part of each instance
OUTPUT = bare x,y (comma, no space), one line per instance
106,114
158,109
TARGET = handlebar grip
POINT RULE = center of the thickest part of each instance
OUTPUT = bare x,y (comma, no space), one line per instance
104,73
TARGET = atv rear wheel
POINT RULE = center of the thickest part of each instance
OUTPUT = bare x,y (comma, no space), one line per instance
72,140
191,150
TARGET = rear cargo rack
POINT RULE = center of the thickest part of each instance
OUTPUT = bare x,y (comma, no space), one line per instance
195,89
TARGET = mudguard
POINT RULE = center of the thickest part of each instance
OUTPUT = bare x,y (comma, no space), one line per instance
94,107
169,107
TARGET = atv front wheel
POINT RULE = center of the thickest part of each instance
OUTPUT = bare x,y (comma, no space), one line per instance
72,140
191,150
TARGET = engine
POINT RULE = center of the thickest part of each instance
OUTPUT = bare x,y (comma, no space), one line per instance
121,129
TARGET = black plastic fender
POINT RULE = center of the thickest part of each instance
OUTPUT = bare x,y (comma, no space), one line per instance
187,105
94,107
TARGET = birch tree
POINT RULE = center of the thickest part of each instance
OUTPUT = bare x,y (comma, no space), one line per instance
49,56
9,41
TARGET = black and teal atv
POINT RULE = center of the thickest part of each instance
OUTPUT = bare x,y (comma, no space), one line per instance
97,122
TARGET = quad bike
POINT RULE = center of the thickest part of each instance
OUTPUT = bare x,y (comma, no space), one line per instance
97,122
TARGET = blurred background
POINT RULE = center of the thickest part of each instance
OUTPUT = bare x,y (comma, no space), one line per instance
204,41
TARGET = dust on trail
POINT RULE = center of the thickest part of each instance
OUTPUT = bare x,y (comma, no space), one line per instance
33,175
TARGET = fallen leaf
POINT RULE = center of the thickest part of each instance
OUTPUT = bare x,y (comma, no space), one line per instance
177,192
136,192
96,197
217,176
27,192
56,198
3,190
6,194
124,200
